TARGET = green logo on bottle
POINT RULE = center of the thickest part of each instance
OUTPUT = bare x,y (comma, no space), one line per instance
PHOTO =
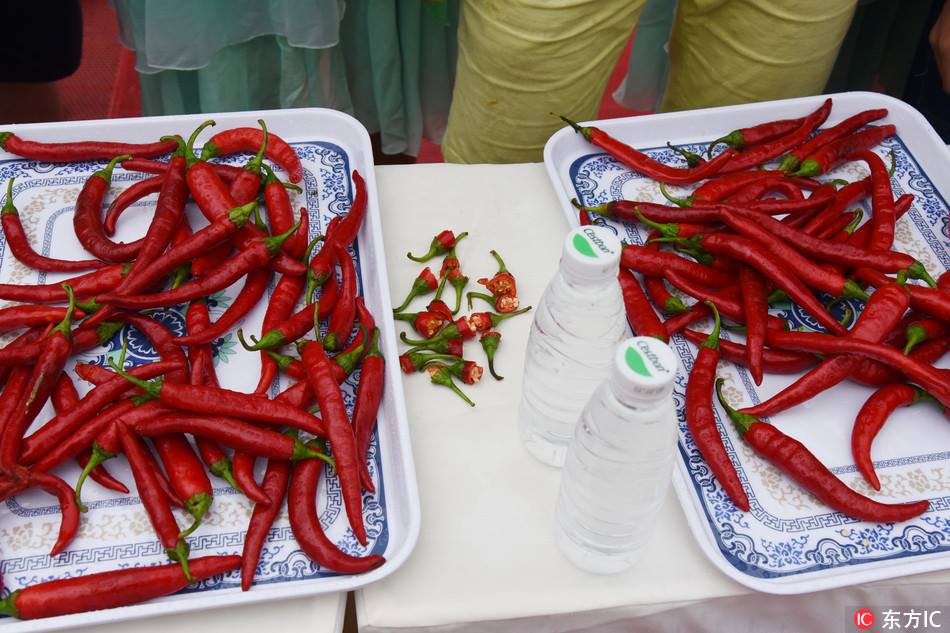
636,363
583,246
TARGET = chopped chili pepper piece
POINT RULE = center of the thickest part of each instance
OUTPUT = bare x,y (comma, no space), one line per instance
441,243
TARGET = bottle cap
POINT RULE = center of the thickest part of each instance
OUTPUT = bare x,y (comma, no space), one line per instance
644,369
591,253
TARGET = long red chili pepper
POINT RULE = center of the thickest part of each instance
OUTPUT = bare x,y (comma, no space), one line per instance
883,215
843,197
643,320
761,133
728,300
248,183
279,308
343,232
755,304
835,153
69,510
254,287
861,235
756,156
369,393
871,419
291,329
19,316
87,285
702,422
132,194
59,428
79,151
649,262
249,139
339,431
920,330
153,499
227,173
794,159
774,361
880,315
280,214
186,474
87,220
19,243
927,300
874,374
301,505
107,590
640,162
263,516
344,313
792,457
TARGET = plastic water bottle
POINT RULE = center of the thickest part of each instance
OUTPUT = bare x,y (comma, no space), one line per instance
577,326
619,464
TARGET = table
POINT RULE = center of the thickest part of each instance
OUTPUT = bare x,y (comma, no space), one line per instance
486,559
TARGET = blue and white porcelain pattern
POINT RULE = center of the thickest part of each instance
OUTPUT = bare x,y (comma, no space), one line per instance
116,533
787,532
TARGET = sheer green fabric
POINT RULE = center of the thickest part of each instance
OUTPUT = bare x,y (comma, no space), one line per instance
391,63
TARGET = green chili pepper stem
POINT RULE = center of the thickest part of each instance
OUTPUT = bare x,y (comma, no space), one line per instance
3,138
674,305
788,164
64,326
240,215
8,208
95,458
479,295
179,554
254,165
434,249
854,291
742,420
443,377
270,340
459,289
274,243
438,291
902,276
207,151
501,263
179,275
808,168
692,159
666,229
732,139
181,144
311,245
419,286
893,166
584,131
8,604
197,506
858,216
152,389
681,202
917,271
914,334
498,318
106,172
222,469
699,255
712,341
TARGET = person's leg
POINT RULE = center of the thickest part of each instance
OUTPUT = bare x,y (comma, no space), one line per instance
724,52
520,60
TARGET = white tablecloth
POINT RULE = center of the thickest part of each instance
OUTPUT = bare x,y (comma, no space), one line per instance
486,559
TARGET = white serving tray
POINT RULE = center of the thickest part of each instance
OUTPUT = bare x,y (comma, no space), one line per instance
116,533
789,542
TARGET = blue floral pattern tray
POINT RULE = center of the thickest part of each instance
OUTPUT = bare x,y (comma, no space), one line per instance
789,542
115,533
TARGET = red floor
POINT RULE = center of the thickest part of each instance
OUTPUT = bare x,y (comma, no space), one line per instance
106,85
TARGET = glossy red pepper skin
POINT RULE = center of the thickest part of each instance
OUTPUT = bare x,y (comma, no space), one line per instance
774,361
795,460
185,471
18,316
843,197
883,215
87,221
227,173
849,125
643,320
65,495
761,133
874,374
80,151
728,300
250,139
254,288
926,300
111,589
649,262
880,315
279,308
301,505
871,419
833,154
129,196
339,431
755,305
369,394
263,516
862,234
88,285
344,312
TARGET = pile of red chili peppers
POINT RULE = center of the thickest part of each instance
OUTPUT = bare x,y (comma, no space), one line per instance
148,412
752,236
440,351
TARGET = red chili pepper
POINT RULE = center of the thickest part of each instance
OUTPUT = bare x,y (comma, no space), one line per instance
426,323
342,232
153,499
279,308
291,329
19,243
280,214
441,243
927,300
87,221
107,590
702,422
774,361
755,305
339,431
764,186
249,139
69,522
649,262
794,159
440,374
843,197
875,374
871,419
254,288
793,458
643,320
503,283
369,394
767,151
90,284
132,194
59,428
921,330
262,518
256,256
943,282
880,315
57,347
423,284
186,474
344,313
640,162
301,505
833,154
80,151
227,173
19,316
883,215
728,300
248,183
761,133
840,230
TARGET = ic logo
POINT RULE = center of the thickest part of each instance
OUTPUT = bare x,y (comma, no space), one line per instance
864,619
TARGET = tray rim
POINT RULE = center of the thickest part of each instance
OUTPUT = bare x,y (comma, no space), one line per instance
343,126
